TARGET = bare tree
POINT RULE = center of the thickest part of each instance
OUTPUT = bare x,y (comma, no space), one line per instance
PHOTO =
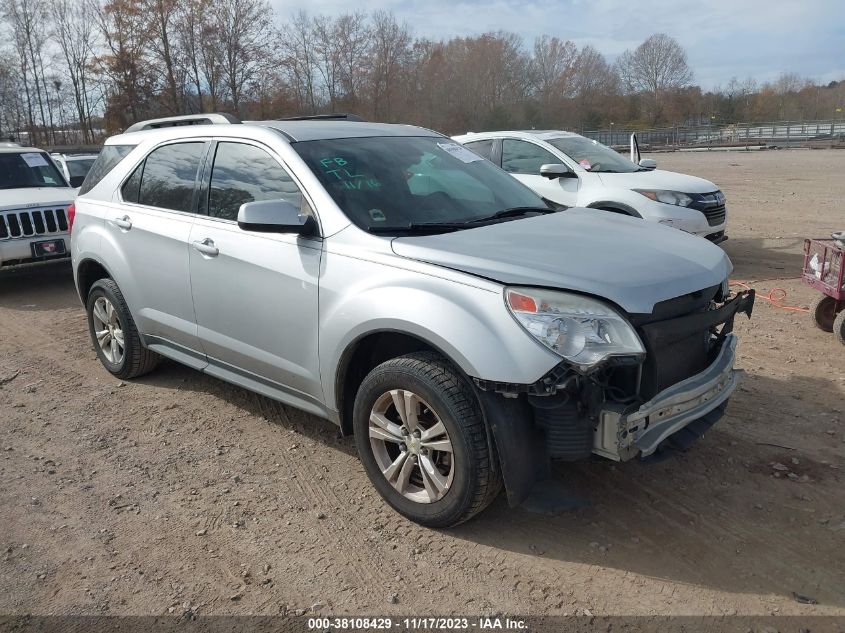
189,36
553,71
299,62
353,36
125,60
162,15
656,67
390,43
74,30
245,31
27,20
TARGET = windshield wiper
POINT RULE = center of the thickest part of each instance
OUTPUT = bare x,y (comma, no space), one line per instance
420,227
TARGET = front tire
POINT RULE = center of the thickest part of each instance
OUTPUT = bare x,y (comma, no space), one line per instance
114,334
422,440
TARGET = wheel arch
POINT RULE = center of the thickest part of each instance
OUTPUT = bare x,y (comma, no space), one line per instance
364,354
88,272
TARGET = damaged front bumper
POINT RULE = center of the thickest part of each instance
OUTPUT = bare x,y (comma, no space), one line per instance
622,434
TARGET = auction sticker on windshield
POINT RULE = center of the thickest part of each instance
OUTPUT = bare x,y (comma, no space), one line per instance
460,152
34,159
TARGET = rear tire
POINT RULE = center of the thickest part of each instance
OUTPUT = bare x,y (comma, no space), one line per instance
438,397
823,313
114,334
839,327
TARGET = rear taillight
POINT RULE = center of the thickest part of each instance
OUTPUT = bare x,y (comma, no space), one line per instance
71,214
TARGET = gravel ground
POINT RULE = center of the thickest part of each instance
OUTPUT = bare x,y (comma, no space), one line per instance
178,492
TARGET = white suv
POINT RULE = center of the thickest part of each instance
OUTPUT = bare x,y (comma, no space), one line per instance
576,171
35,207
74,166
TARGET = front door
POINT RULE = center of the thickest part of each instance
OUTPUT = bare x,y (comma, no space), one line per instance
255,294
523,160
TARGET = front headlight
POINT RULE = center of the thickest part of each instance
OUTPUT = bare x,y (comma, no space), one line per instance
582,330
666,197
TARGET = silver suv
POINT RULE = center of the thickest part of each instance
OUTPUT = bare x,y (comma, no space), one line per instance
394,282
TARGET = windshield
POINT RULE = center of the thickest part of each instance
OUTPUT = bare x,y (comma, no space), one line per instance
386,182
593,156
79,166
25,170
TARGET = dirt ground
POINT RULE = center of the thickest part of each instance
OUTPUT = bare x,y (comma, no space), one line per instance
178,492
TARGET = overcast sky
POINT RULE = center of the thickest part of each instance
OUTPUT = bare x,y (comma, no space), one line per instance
723,38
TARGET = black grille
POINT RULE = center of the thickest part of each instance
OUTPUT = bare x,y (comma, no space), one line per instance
712,205
32,223
673,356
715,215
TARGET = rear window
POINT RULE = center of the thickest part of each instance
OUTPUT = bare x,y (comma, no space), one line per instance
106,161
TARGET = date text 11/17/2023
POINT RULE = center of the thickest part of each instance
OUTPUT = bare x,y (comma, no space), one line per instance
417,623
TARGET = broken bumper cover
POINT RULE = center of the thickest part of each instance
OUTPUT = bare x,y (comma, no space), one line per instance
621,435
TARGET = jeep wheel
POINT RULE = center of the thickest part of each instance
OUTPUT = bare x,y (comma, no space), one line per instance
422,440
114,334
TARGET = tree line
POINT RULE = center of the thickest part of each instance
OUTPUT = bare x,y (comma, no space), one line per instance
75,70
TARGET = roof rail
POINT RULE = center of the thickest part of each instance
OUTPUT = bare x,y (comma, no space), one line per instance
189,119
334,116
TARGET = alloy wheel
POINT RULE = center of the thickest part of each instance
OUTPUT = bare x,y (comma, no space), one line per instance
411,446
108,330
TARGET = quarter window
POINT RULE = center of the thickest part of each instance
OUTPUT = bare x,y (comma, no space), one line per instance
132,187
245,173
168,177
522,157
482,148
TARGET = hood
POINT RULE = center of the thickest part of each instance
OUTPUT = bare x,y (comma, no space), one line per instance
34,197
658,179
632,263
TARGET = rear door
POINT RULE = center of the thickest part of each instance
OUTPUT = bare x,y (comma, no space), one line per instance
523,159
255,294
148,230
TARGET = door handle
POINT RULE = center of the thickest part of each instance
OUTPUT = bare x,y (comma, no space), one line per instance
206,247
124,223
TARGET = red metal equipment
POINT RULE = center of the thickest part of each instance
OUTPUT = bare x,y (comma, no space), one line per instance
824,270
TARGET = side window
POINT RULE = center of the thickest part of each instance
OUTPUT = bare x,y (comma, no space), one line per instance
169,176
245,173
522,157
132,187
482,148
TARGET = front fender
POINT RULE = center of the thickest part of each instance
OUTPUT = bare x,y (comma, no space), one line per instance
467,322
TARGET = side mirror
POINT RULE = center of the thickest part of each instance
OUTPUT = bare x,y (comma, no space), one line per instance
556,170
76,181
275,216
648,163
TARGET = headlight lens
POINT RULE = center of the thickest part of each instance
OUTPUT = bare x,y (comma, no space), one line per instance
584,331
666,197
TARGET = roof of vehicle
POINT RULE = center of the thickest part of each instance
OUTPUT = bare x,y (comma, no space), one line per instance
543,135
72,157
331,129
293,131
18,150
